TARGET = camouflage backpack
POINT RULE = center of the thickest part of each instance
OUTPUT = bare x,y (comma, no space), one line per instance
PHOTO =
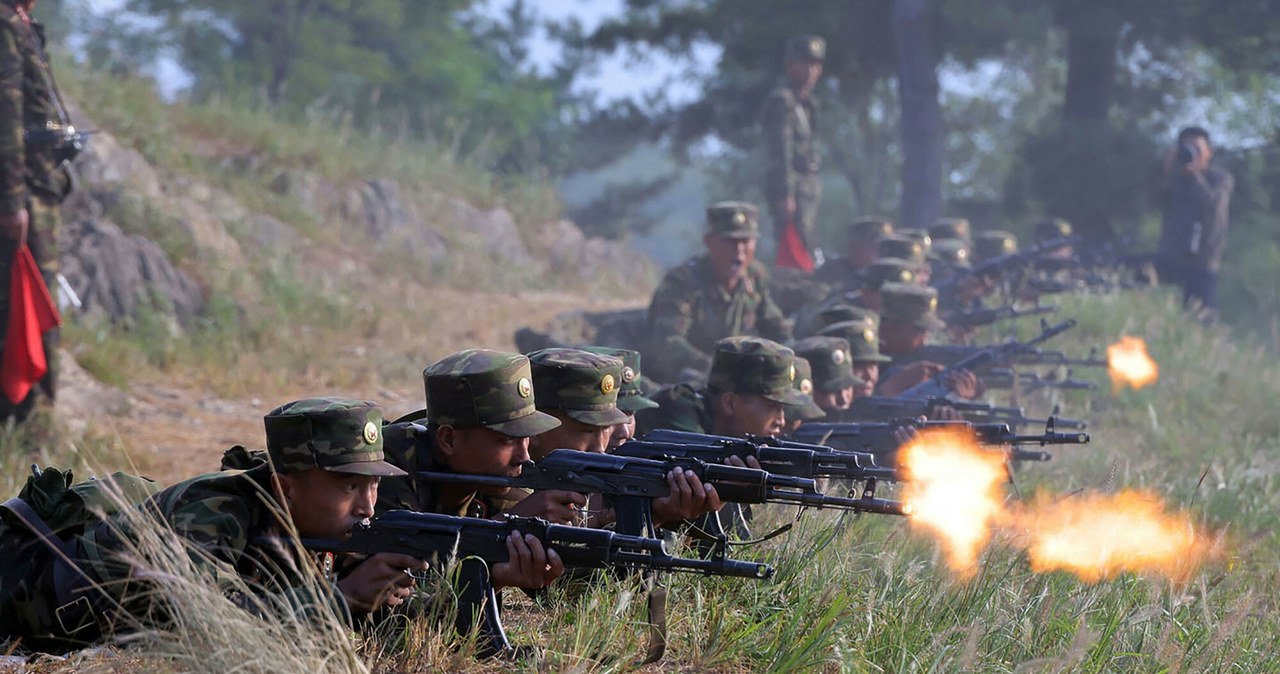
39,529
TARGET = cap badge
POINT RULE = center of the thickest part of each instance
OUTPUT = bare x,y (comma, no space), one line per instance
628,375
962,254
837,356
1009,245
524,387
933,304
869,335
906,276
739,218
806,387
791,373
607,384
370,433
815,46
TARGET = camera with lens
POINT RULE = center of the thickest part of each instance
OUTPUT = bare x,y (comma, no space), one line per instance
1188,153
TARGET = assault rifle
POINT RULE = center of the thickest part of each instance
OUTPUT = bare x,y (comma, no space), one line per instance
1029,382
977,318
879,408
985,358
797,459
1001,264
476,543
631,483
947,354
1058,358
880,439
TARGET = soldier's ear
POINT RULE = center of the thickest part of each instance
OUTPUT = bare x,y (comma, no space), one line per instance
726,404
445,437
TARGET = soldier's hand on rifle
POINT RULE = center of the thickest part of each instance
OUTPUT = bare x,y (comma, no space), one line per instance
14,225
529,565
905,433
749,462
689,498
908,376
553,505
963,383
381,579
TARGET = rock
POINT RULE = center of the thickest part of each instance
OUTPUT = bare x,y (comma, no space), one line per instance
493,232
116,275
570,253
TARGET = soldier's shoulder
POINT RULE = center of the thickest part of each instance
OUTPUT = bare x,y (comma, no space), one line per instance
781,93
229,493
686,274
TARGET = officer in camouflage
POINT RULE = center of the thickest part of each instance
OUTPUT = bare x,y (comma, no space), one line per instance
325,464
33,178
631,397
721,294
789,125
479,417
834,382
581,389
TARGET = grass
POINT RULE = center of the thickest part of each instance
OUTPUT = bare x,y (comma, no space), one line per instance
866,595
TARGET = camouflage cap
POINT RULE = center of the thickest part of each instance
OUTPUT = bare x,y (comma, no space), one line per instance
733,220
483,388
631,398
919,236
840,313
809,411
949,228
910,303
806,48
902,248
581,384
863,339
987,245
831,360
954,252
870,229
887,270
333,434
1053,228
755,366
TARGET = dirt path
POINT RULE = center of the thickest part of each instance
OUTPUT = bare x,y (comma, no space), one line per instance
172,428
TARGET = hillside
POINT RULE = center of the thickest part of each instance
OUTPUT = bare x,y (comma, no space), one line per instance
228,261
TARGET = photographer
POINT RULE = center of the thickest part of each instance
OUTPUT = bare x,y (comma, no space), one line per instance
1196,200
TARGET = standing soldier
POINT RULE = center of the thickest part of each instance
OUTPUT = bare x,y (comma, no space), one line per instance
790,140
724,293
33,175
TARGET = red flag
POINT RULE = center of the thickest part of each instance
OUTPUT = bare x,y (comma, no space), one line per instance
31,314
792,251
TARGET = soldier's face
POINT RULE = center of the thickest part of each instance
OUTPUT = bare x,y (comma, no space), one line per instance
325,504
482,451
834,399
900,336
730,258
750,415
623,432
571,434
869,372
804,74
863,253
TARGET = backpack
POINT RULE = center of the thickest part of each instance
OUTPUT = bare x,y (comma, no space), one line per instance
39,532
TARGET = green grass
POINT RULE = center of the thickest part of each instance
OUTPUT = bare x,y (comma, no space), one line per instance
867,595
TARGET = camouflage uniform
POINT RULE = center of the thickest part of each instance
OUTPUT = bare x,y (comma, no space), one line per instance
743,365
804,384
987,245
30,177
230,519
843,273
831,360
691,310
789,126
469,389
911,304
631,397
863,339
